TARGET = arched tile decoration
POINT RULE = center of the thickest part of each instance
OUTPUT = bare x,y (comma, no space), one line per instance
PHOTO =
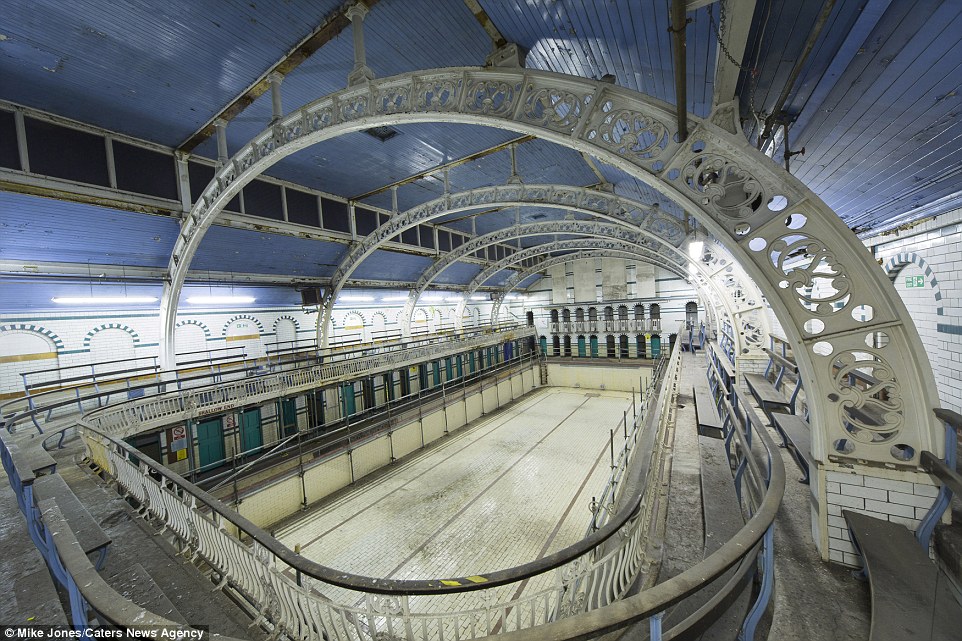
899,262
297,326
37,329
133,334
191,321
233,319
353,312
781,233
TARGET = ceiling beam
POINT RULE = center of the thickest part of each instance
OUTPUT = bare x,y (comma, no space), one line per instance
442,167
678,27
327,31
733,38
485,21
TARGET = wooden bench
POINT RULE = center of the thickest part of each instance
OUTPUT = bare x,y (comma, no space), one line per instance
706,415
797,437
911,598
89,534
769,393
723,369
31,461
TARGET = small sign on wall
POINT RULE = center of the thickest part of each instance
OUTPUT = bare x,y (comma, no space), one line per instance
177,439
915,281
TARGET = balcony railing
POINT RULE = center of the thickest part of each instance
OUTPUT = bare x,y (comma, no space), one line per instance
615,326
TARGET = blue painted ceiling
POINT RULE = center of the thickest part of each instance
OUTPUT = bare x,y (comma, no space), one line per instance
875,105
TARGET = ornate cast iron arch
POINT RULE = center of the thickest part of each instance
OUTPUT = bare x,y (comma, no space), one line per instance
605,205
617,233
760,212
750,323
656,223
623,250
704,284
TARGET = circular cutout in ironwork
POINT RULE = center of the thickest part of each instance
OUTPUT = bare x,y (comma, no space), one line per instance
877,340
863,313
902,452
796,221
843,446
823,348
777,202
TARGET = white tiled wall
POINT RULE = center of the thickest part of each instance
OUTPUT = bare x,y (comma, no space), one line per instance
899,501
80,338
932,250
20,343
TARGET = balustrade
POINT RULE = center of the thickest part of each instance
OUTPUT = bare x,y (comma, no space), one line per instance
616,326
312,601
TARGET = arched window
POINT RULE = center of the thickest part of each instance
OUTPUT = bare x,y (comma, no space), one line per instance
556,345
554,315
579,315
592,314
610,345
655,313
623,346
639,312
691,314
567,345
622,312
609,313
566,315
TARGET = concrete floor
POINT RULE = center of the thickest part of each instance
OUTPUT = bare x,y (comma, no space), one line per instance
511,488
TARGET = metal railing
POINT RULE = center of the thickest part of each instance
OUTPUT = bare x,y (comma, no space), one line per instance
173,383
604,505
573,593
344,433
161,409
611,326
308,600
759,479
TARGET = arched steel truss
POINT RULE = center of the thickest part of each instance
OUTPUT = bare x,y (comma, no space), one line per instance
705,286
713,307
602,245
657,225
808,264
592,229
724,277
750,320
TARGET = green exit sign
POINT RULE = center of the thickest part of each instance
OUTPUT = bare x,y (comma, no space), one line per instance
915,281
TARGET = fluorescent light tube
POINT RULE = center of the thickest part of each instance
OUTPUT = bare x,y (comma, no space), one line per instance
102,300
220,300
354,299
394,299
